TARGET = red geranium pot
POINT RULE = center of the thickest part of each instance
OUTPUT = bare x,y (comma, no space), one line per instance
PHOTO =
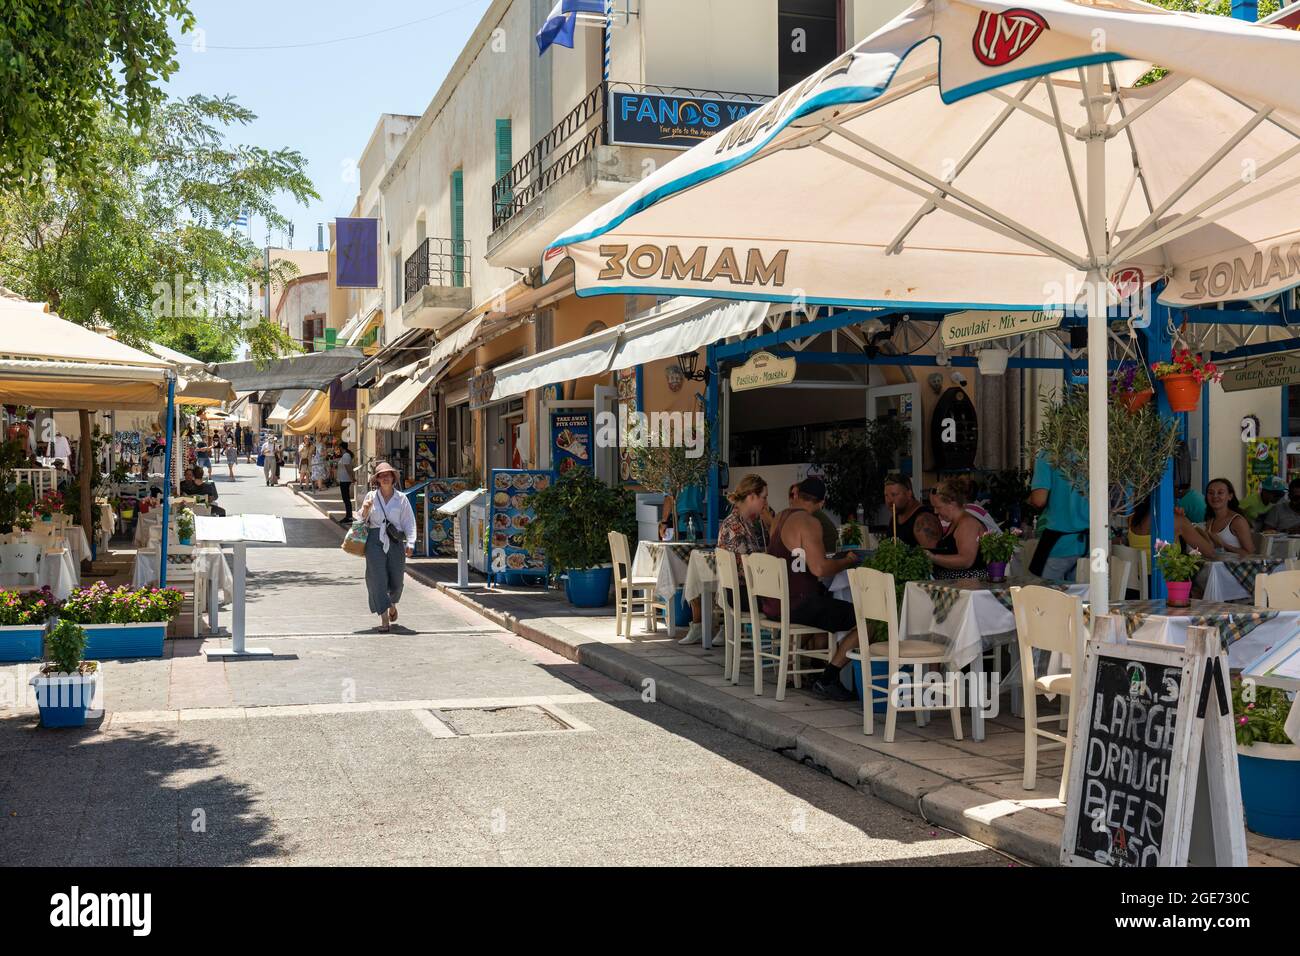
1183,391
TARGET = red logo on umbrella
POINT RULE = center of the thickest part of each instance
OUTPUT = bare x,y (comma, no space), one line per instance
1001,37
1127,282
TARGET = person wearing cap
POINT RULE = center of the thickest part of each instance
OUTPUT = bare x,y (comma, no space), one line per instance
797,539
1270,491
1285,515
388,515
830,533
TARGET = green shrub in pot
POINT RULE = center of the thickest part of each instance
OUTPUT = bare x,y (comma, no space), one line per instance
572,519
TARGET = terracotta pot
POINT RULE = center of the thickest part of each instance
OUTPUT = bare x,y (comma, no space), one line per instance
1183,392
1135,400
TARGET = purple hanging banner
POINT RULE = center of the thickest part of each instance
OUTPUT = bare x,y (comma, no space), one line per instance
357,260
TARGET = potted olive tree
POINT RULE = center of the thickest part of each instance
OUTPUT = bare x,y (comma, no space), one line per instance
1268,760
66,686
571,522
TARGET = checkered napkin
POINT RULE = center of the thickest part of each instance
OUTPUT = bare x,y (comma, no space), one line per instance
1234,621
1246,570
943,595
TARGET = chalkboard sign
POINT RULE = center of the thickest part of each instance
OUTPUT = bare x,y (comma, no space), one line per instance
1153,723
1128,761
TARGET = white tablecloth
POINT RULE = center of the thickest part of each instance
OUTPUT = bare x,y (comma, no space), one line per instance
701,574
665,561
1250,631
54,570
74,539
145,571
1219,583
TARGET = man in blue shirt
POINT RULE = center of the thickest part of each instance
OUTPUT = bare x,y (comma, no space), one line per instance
1066,514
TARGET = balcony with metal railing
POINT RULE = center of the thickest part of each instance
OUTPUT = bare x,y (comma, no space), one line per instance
613,138
435,283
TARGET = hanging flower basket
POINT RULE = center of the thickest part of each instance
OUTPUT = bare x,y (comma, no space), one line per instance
1183,392
1135,400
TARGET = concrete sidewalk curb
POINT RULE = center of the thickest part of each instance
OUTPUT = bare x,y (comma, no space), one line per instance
1022,832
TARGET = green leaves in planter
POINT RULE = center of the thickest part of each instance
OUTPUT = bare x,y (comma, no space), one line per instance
1259,713
856,462
905,563
572,519
1140,445
67,642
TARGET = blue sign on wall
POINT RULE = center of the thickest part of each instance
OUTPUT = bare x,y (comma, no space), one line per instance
357,257
672,120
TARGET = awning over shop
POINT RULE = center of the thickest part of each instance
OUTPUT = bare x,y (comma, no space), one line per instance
314,370
451,347
311,414
196,385
288,400
681,325
361,324
387,414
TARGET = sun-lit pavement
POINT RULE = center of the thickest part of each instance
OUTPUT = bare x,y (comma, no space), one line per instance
447,742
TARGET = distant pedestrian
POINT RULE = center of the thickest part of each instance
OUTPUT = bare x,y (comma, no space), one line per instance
344,473
232,456
390,541
270,464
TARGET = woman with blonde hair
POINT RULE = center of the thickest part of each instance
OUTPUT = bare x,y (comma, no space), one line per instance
741,532
957,555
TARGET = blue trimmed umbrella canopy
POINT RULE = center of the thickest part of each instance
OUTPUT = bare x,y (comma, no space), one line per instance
975,155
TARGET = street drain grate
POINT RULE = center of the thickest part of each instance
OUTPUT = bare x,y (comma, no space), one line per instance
518,719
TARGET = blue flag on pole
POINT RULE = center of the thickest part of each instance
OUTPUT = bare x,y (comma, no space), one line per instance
558,27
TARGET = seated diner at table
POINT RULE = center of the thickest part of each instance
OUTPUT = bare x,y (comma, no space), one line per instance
1283,515
1190,536
1226,526
797,539
830,533
1271,490
957,554
740,532
910,521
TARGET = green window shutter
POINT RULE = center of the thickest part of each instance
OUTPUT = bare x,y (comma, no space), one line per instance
458,227
505,147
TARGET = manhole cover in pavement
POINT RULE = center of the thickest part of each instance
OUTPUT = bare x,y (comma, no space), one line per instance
524,719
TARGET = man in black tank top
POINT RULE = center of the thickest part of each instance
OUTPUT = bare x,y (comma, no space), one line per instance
916,523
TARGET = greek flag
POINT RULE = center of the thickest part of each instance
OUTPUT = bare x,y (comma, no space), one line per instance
241,219
558,27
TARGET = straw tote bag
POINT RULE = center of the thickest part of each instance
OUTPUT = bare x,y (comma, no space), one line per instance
355,540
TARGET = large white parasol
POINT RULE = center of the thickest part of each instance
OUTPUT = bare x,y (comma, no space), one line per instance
974,154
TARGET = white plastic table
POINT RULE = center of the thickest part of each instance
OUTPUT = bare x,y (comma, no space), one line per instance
54,570
702,583
665,561
1232,578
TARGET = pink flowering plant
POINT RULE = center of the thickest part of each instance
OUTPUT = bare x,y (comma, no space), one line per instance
1175,563
98,604
25,608
49,504
999,546
1259,713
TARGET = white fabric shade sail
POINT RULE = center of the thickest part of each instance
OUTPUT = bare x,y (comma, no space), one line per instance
387,413
974,154
681,325
288,399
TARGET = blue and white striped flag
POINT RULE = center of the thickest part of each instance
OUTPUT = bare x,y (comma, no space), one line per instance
558,27
241,219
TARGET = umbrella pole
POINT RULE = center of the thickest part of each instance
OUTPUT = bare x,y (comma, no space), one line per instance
1098,438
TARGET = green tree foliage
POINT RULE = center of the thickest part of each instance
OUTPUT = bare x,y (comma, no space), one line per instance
144,244
62,61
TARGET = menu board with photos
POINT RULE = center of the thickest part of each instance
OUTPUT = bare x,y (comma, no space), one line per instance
510,494
442,527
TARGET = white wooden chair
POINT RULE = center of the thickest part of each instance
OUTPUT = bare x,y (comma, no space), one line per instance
1279,590
41,479
874,599
1139,563
1277,546
1120,572
184,574
1049,620
733,622
629,591
767,576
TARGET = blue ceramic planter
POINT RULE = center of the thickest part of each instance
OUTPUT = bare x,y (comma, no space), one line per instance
589,588
124,640
22,643
879,678
64,700
1270,789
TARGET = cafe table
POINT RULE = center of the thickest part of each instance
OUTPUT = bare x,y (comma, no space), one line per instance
1247,632
702,582
54,569
1231,577
666,562
969,615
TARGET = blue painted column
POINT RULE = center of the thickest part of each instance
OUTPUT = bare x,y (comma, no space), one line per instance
712,406
1160,348
1245,10
167,478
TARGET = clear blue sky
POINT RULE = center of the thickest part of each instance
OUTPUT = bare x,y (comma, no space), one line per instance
322,99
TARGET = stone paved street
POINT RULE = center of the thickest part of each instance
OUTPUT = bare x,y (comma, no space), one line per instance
450,741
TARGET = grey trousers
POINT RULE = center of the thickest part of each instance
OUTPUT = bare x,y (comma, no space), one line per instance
385,573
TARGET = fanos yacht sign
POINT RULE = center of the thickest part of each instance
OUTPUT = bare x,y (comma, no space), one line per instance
960,328
761,370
